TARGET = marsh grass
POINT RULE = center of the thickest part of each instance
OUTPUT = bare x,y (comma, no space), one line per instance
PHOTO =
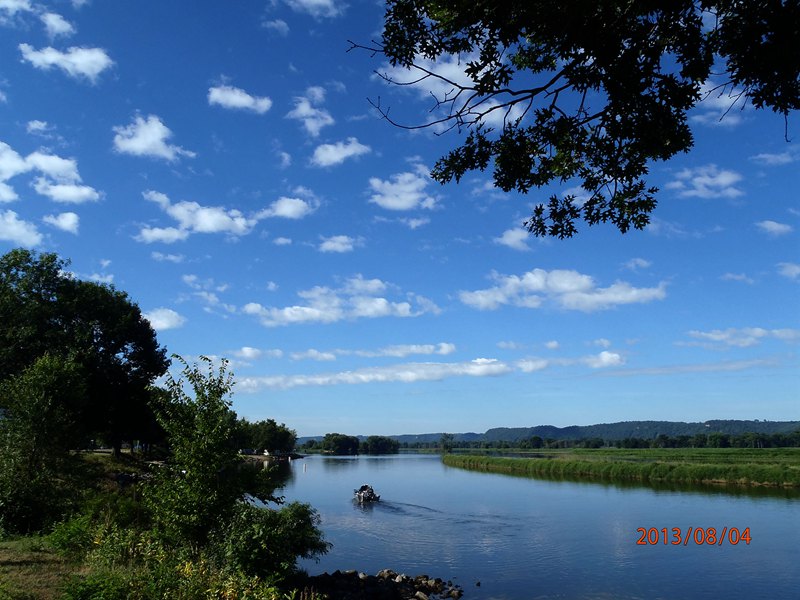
732,467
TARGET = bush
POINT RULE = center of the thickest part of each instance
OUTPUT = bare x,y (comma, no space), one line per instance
266,542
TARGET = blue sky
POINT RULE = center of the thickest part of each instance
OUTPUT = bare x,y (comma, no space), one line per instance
220,162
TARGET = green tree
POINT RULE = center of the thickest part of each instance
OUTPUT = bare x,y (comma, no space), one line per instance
43,310
265,435
378,444
199,486
340,444
588,91
199,501
36,432
446,442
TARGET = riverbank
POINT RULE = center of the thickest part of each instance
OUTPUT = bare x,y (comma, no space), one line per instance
734,467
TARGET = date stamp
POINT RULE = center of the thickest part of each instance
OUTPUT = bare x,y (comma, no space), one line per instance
697,536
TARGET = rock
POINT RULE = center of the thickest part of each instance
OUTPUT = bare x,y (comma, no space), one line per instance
421,595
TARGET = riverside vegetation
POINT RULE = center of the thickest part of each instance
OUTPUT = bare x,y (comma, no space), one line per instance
774,467
183,529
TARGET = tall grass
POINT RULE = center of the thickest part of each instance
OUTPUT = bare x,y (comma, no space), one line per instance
606,467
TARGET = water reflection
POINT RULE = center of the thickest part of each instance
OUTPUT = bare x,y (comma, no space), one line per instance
526,538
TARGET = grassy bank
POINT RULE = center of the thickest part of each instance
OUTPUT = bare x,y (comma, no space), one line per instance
740,467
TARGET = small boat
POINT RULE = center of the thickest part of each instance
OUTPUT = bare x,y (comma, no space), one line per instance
366,494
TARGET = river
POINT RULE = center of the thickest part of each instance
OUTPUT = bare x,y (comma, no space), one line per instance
503,537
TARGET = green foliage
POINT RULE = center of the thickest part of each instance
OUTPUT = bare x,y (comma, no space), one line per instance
267,542
265,435
35,434
198,487
378,444
588,92
43,310
340,444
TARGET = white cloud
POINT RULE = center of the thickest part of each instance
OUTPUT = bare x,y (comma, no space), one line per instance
604,360
194,218
516,239
282,241
166,235
35,127
356,298
288,208
61,181
68,193
235,98
313,354
402,373
720,106
742,338
775,160
773,228
250,353
567,289
318,8
164,318
403,350
147,137
75,62
12,7
552,345
173,258
635,264
402,191
708,181
741,277
67,221
308,113
15,230
277,26
328,155
56,25
338,243
789,270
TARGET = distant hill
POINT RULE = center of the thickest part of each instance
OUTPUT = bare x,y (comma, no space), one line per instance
606,431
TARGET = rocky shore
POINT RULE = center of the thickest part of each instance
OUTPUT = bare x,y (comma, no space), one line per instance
386,585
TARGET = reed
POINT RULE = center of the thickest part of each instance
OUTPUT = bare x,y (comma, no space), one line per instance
697,469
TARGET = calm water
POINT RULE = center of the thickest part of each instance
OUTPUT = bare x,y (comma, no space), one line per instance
528,538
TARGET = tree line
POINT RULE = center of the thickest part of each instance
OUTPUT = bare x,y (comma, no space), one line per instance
348,445
701,440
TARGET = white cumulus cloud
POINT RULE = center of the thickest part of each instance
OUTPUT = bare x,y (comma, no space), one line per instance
516,239
356,298
147,137
708,181
773,228
402,191
76,62
328,155
318,8
67,221
236,98
566,289
338,244
288,208
18,231
309,113
164,318
194,218
56,25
